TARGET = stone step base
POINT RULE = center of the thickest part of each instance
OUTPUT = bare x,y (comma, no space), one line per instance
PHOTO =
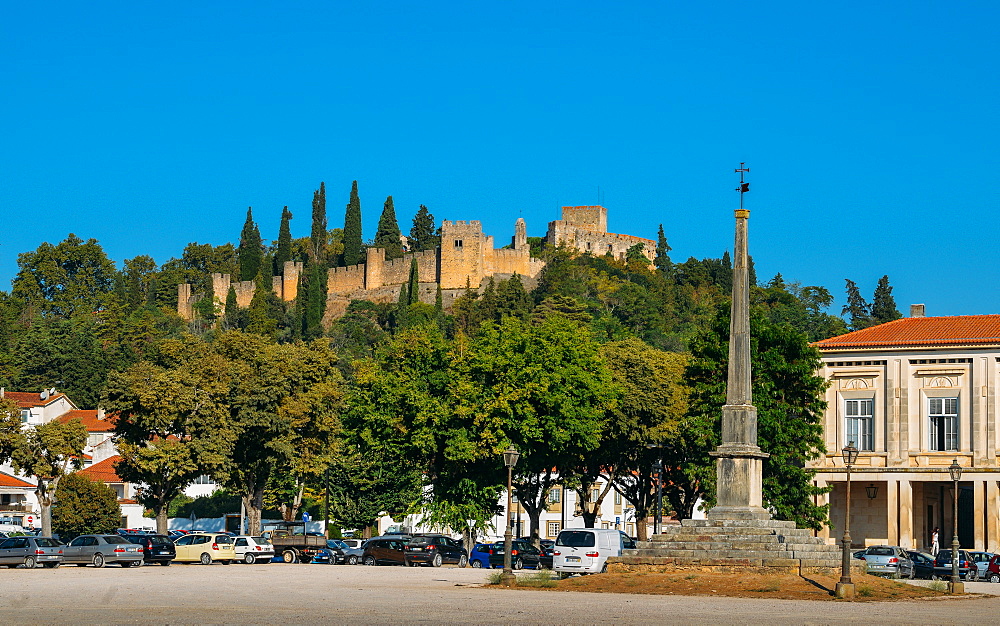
762,565
692,553
659,540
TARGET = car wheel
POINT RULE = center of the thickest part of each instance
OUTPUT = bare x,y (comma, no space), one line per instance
249,558
98,560
437,560
206,558
477,564
29,562
995,578
352,560
518,563
288,556
604,569
463,561
369,560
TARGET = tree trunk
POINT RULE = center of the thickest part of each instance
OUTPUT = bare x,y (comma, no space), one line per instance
161,519
254,506
45,493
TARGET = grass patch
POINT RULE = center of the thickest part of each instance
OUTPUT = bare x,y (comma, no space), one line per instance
690,577
541,579
769,588
493,578
938,585
865,591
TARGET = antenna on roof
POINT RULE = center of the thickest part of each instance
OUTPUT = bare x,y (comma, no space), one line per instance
44,395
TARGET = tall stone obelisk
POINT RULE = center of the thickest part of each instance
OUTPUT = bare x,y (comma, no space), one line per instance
738,458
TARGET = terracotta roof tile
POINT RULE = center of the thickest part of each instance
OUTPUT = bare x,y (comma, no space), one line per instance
90,420
6,480
31,399
103,471
921,331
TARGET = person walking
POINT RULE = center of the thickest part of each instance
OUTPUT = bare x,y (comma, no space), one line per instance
935,543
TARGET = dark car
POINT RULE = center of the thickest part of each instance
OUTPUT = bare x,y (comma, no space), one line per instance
522,554
384,551
546,548
30,551
435,550
480,556
966,566
992,573
923,564
155,548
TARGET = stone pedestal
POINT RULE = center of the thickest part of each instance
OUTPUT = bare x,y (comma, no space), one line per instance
739,487
845,591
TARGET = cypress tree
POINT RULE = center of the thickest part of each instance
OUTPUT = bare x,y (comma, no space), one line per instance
422,232
883,304
414,283
514,301
232,309
388,232
439,301
662,260
315,302
856,309
284,251
489,304
251,248
317,239
352,229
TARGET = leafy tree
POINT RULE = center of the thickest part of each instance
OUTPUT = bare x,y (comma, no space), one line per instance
84,506
636,253
315,301
422,233
74,276
251,249
352,229
232,310
46,453
317,241
789,399
284,252
883,304
388,233
10,428
856,308
512,299
136,282
171,421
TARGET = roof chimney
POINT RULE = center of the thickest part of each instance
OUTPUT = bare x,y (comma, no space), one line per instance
917,310
100,413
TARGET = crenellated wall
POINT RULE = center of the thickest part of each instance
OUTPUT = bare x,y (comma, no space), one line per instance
564,233
342,280
184,303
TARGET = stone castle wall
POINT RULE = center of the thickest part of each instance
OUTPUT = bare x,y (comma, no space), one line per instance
593,218
597,243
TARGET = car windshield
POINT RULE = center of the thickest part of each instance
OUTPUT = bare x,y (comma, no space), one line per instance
881,552
47,542
421,541
575,539
260,541
115,539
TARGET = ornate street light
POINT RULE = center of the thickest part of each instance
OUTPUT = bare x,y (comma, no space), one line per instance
955,586
658,470
510,457
872,491
845,588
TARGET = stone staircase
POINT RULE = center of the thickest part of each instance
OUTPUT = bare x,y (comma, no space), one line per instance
733,545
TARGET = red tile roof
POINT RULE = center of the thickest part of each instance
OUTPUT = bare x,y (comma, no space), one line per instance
6,480
90,420
958,330
31,399
103,471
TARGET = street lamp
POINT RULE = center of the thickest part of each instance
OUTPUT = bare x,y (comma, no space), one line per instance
510,457
658,470
845,588
955,586
872,491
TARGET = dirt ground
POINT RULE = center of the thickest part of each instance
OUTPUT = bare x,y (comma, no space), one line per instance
742,585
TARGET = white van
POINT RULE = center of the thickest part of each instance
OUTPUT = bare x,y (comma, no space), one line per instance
586,550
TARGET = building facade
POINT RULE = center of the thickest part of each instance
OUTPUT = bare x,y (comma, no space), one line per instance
913,395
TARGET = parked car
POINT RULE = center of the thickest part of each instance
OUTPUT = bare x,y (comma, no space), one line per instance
252,549
628,543
384,551
30,551
889,560
480,555
174,534
205,548
982,561
966,566
353,543
344,553
992,572
155,548
291,540
548,555
102,549
435,550
522,554
585,550
923,564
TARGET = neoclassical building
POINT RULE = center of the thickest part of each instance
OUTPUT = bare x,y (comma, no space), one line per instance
913,395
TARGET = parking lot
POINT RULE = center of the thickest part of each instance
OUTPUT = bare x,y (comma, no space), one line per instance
187,594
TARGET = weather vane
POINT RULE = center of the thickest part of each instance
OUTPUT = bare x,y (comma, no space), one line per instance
744,186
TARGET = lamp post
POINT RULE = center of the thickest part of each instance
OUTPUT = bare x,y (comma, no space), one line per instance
845,588
510,457
955,586
658,470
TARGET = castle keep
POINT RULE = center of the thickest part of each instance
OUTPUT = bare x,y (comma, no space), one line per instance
466,258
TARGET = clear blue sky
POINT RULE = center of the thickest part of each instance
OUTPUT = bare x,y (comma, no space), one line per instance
870,127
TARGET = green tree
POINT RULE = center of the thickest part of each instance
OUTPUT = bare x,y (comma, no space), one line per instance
413,285
135,282
388,233
74,276
84,506
857,310
512,299
315,301
284,252
232,310
883,304
251,249
317,240
352,228
422,233
662,261
46,453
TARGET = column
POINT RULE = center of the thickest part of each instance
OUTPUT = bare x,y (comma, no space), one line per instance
822,499
979,513
892,512
906,515
992,516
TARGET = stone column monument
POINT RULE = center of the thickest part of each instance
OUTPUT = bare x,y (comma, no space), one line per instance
738,459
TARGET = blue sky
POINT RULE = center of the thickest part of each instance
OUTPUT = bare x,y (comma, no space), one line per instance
870,127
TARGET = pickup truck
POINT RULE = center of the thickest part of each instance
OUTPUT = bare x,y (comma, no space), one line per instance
292,543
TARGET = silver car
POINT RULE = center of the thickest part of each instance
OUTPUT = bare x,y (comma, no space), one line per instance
889,560
344,553
30,551
102,549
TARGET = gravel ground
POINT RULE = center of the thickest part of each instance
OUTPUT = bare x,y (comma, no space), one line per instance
267,593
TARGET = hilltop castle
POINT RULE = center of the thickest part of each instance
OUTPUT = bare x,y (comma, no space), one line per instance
465,258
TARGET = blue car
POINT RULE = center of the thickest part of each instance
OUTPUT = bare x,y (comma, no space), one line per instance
480,555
